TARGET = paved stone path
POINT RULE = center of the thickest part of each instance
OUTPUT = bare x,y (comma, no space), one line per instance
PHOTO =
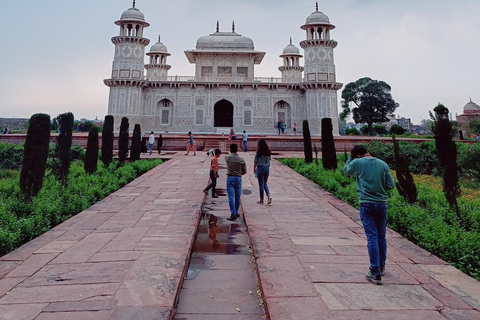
126,257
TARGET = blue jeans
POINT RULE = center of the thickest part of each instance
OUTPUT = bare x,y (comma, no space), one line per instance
374,219
262,176
244,145
150,147
234,190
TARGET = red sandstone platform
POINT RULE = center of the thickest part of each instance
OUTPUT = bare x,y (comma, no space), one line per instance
126,257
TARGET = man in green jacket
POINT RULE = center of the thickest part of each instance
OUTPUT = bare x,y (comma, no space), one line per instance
373,181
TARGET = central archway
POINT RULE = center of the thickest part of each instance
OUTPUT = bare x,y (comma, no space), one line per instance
223,114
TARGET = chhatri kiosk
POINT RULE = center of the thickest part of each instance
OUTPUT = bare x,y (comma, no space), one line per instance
224,92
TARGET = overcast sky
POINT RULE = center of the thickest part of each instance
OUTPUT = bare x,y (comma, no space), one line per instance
55,54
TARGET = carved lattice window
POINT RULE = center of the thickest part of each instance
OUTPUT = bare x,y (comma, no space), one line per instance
165,116
199,117
242,72
224,71
247,117
207,71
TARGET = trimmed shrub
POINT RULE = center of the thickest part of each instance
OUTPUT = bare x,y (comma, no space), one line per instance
307,142
35,155
107,141
159,144
64,144
405,185
136,137
91,156
123,140
447,154
329,154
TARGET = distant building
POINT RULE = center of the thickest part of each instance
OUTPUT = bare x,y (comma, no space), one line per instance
405,123
471,111
224,92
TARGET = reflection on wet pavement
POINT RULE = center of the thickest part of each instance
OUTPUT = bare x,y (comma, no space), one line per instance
222,260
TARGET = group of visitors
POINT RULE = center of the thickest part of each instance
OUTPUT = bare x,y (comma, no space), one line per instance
373,181
282,129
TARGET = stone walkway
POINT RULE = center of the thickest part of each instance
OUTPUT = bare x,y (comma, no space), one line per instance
126,257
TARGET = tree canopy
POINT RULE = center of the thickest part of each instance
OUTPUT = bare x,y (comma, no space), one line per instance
372,102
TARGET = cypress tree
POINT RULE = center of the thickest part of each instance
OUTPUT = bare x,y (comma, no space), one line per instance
329,154
123,140
307,142
64,145
35,155
91,155
160,142
136,137
447,155
107,141
405,185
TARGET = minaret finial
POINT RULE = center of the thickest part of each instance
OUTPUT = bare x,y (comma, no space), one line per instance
218,26
290,40
233,26
134,3
159,38
316,6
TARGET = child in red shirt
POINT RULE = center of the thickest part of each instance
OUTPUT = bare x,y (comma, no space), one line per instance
213,173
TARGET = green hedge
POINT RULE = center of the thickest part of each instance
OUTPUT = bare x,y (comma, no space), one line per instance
21,221
430,223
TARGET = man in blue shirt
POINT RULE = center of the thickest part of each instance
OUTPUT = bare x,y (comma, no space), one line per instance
245,138
373,181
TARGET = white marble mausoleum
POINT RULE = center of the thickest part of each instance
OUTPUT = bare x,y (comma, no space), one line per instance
224,92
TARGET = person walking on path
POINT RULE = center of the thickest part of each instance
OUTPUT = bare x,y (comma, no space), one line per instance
373,181
261,168
245,138
151,141
279,126
236,167
294,129
213,174
190,144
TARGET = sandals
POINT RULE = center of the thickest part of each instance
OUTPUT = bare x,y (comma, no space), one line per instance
260,202
269,200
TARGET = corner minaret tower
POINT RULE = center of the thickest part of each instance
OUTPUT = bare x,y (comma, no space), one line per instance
291,69
128,66
157,69
320,79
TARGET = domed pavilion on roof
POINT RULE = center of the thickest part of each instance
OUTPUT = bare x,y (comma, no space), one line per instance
224,92
471,111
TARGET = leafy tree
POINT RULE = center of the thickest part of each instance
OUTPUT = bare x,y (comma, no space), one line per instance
405,185
427,124
123,140
474,126
352,132
107,141
364,130
91,156
136,137
397,129
307,142
372,99
447,154
329,154
64,144
35,155
379,129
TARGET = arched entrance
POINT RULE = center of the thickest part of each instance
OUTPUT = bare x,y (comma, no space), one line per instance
223,114
282,111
